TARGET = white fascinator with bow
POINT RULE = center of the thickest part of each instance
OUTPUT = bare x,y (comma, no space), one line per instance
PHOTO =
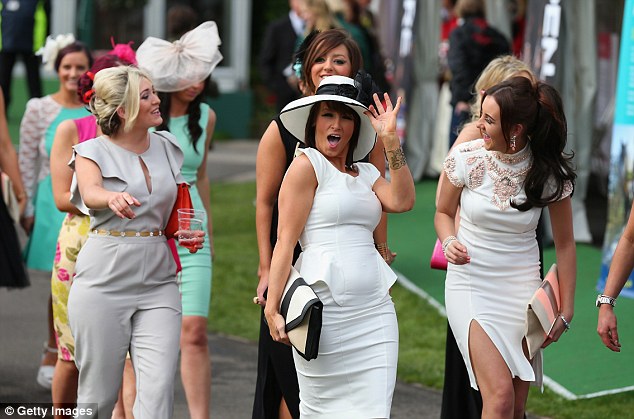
175,66
52,47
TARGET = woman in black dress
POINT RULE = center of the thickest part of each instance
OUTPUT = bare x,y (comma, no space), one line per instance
327,53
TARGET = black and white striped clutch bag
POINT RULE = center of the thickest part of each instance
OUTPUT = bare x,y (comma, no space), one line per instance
302,310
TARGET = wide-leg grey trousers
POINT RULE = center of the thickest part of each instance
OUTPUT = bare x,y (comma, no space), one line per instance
135,308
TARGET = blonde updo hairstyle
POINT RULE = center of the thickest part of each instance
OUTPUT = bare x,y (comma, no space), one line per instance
498,70
117,88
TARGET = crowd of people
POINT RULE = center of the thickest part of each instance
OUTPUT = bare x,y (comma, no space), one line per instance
100,161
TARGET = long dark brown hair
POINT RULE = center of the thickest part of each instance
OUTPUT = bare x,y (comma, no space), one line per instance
539,109
193,114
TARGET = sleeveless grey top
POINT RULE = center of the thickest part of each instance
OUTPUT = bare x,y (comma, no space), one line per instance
122,171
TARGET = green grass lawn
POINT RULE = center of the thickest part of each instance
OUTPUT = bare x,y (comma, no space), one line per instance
422,329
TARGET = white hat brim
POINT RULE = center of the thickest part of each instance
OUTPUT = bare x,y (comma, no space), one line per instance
295,115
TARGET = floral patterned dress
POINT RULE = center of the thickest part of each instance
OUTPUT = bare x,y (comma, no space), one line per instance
72,237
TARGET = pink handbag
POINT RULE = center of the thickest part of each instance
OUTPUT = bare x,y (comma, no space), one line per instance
438,260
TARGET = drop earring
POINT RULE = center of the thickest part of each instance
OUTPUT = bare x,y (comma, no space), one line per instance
513,142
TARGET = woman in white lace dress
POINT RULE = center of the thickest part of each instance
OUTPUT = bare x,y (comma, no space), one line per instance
501,183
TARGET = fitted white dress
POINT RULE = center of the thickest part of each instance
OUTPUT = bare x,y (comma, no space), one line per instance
355,372
494,288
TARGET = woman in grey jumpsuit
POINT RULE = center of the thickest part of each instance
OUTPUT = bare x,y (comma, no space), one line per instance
124,295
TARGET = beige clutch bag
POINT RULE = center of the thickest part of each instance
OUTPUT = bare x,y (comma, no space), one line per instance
542,311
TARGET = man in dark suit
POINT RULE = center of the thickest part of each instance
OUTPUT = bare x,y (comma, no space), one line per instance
276,54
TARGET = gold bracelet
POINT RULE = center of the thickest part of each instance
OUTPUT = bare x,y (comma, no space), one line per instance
395,158
382,249
385,252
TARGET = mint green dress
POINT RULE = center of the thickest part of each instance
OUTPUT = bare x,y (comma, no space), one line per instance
195,281
40,250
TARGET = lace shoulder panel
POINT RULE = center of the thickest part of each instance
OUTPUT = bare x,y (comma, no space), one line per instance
568,188
549,189
450,167
455,164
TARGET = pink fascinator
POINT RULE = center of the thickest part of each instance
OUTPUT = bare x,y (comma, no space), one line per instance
121,54
123,51
174,66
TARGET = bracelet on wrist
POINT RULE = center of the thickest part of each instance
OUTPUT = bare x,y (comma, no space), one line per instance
605,299
382,248
446,242
566,323
385,252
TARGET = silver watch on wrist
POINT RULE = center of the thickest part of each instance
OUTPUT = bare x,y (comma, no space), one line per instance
605,299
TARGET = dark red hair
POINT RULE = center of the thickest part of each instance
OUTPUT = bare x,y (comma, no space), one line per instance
85,82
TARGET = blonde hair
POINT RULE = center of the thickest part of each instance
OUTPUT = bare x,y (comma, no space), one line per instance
498,70
117,88
322,16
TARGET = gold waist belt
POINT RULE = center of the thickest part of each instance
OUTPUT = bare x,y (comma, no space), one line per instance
117,233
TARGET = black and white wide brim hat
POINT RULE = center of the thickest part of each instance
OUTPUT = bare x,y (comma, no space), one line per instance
337,89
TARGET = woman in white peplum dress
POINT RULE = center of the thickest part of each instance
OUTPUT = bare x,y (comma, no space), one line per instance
501,183
332,206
